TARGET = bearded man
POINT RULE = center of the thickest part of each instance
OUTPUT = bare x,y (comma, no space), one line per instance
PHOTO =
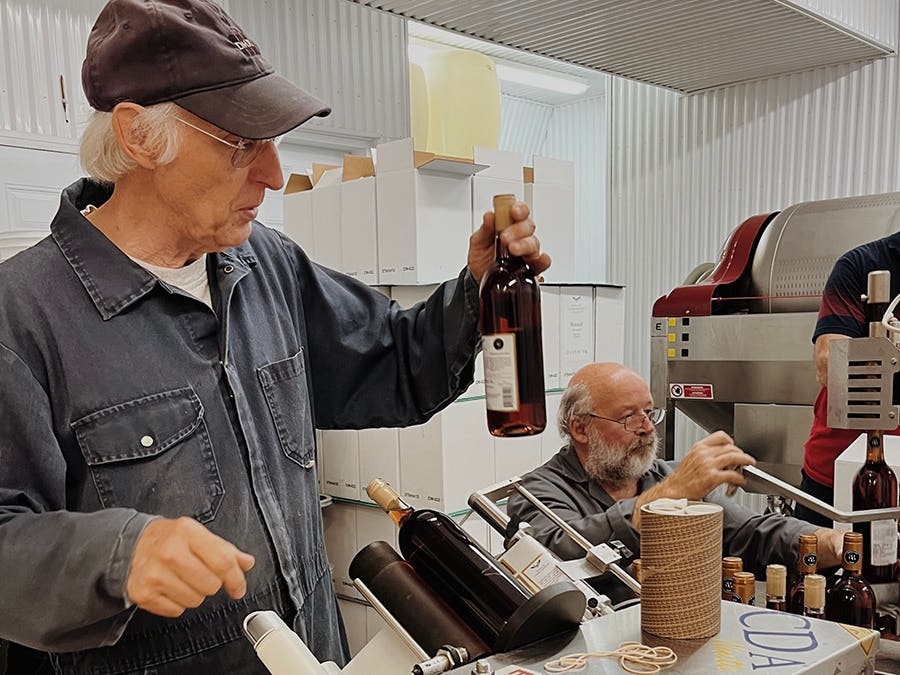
609,468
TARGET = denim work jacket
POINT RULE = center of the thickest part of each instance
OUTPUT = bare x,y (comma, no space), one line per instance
123,398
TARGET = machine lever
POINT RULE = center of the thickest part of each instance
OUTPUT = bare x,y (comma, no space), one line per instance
760,481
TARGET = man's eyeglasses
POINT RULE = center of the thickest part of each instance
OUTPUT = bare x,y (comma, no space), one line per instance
635,422
245,150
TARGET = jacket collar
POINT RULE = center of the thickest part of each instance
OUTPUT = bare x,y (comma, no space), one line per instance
112,280
571,468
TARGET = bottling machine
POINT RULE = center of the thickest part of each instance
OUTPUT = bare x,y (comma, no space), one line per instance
732,350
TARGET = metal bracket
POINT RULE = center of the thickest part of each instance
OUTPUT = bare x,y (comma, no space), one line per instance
861,384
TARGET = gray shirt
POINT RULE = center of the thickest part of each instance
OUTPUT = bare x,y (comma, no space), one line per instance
564,486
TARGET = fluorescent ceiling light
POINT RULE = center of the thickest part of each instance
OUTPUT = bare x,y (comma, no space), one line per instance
533,78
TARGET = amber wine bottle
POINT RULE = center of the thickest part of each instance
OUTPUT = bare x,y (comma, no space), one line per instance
875,485
814,596
806,564
776,581
510,323
744,588
852,600
730,565
470,580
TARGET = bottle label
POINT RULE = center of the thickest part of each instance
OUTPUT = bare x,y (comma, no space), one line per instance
501,386
883,542
810,560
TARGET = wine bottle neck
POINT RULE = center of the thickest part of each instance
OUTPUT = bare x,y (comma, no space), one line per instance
875,446
501,251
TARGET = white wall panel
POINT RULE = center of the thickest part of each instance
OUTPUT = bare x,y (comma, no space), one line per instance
576,132
873,18
350,56
685,170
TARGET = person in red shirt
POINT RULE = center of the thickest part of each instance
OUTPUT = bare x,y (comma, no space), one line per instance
841,315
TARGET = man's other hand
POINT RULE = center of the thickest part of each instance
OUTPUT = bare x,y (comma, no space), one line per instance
519,238
179,563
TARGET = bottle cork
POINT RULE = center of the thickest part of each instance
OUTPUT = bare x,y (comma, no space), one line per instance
383,494
502,215
814,590
776,580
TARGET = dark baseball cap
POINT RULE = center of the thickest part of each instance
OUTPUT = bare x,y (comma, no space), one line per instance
192,53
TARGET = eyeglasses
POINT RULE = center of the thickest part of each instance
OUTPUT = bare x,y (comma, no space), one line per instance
245,149
635,421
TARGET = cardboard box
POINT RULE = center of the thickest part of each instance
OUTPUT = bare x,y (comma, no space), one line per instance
312,213
576,330
609,324
550,335
359,234
503,175
379,457
551,441
341,458
407,296
516,456
424,204
340,544
446,459
550,192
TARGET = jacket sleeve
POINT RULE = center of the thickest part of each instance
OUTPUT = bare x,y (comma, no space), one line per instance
64,573
759,539
578,510
374,364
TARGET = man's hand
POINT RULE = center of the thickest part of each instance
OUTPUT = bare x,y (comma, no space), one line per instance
178,563
519,238
829,545
710,463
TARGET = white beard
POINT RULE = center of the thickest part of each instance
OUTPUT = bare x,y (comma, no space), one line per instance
618,466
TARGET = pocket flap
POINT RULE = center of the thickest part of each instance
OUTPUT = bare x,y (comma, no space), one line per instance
140,428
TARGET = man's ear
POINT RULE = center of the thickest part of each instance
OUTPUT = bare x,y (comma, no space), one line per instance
131,140
578,429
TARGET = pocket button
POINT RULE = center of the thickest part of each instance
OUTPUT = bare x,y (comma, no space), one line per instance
147,441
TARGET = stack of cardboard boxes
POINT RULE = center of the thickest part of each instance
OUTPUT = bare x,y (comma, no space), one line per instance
403,223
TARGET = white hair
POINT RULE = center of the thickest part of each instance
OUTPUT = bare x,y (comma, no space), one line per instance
155,127
576,401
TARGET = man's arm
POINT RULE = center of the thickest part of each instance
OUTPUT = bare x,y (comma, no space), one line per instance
820,356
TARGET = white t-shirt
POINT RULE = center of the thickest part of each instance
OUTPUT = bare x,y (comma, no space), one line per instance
191,278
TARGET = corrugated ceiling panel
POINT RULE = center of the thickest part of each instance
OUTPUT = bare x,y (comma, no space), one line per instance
688,45
684,171
350,56
875,18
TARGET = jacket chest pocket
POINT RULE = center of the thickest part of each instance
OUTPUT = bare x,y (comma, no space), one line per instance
284,386
153,454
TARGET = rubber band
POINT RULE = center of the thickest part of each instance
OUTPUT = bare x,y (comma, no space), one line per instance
633,657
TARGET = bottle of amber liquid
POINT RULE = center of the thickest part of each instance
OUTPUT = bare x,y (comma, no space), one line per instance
730,565
744,588
806,564
814,596
510,323
468,578
875,486
776,582
852,600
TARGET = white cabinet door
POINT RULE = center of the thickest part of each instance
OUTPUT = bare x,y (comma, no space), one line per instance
30,183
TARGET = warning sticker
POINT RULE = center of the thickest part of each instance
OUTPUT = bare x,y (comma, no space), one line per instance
691,391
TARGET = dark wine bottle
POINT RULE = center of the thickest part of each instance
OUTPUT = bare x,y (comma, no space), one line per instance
852,600
468,578
776,582
806,564
511,345
875,487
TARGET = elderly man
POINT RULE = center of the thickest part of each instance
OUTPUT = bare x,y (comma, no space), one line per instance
165,359
609,469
